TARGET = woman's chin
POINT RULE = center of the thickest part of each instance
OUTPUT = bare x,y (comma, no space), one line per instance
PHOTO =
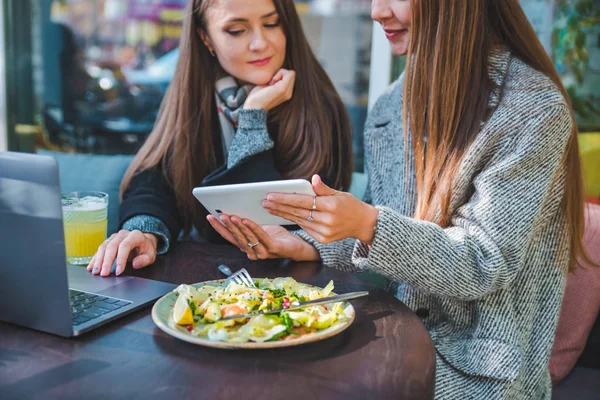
262,78
400,48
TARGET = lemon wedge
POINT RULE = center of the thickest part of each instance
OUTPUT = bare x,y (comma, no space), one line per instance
182,313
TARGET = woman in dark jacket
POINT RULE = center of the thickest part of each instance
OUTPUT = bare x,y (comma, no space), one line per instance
248,102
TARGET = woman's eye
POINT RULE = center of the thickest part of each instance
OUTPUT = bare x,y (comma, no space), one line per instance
273,24
235,33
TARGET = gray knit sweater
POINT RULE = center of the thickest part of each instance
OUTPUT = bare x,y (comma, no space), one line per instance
493,281
251,138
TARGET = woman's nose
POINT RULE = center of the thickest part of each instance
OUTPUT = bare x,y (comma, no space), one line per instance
381,10
258,42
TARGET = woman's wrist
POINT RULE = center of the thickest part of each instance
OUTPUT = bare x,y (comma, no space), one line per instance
367,231
305,252
248,105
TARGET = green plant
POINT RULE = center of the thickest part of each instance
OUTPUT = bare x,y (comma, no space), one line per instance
575,22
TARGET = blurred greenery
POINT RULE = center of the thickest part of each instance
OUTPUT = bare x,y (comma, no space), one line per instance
576,22
398,64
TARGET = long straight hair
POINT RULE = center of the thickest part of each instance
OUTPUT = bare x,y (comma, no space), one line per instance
452,39
312,131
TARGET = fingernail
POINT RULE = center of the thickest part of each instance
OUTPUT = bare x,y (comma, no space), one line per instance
95,270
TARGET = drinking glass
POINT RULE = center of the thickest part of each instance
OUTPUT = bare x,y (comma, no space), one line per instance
85,218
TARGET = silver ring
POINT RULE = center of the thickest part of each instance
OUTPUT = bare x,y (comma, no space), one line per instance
310,217
251,245
314,203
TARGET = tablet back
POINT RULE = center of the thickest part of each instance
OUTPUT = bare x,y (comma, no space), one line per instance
245,199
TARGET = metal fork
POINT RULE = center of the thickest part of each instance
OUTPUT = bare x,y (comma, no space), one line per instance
241,277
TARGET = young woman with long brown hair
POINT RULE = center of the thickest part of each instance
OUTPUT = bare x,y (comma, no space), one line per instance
248,102
474,210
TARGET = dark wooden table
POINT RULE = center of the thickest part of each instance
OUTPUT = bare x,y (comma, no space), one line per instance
386,352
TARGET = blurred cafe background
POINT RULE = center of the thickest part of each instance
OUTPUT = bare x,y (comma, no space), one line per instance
88,76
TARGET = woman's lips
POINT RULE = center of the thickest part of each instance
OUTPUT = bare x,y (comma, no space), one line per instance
262,62
391,34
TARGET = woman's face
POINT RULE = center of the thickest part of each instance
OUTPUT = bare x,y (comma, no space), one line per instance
246,37
394,17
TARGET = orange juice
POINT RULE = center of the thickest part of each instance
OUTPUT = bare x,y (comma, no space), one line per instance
85,221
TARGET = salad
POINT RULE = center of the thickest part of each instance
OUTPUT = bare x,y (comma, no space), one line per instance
199,311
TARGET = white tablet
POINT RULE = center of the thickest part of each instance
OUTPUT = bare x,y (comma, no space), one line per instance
245,199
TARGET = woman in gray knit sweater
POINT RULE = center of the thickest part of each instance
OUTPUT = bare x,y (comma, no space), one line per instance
474,208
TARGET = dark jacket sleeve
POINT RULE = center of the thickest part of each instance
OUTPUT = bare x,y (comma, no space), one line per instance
257,168
150,194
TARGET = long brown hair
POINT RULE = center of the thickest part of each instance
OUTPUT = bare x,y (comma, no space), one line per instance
312,132
451,39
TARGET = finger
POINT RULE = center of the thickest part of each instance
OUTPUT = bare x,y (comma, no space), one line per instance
277,77
100,254
242,243
301,213
222,230
302,222
320,233
294,200
244,240
135,240
317,236
291,82
111,253
260,250
143,260
260,234
320,188
91,264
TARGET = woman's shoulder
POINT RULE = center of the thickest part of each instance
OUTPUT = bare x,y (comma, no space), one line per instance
532,108
530,90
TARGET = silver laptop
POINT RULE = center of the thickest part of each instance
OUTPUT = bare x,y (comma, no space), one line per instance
38,289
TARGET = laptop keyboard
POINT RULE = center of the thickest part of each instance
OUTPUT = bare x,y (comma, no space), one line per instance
88,306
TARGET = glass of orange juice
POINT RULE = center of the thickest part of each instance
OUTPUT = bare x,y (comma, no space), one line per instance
85,219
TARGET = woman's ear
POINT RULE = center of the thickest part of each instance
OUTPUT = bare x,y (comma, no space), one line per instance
205,39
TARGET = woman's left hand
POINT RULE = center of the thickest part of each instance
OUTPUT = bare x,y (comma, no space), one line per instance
328,217
263,242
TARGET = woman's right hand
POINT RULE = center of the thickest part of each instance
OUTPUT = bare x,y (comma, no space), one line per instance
278,91
124,246
269,241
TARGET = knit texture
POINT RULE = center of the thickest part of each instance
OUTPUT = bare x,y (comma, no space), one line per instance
251,137
493,281
150,224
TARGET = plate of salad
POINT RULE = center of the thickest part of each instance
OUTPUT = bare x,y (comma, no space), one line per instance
193,313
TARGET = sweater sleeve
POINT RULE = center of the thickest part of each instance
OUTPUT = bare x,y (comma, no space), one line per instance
150,195
484,248
150,224
250,156
251,137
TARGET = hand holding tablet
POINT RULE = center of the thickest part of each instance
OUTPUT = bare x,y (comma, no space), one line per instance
245,200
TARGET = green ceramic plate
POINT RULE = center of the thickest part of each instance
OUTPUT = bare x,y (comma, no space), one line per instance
162,315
